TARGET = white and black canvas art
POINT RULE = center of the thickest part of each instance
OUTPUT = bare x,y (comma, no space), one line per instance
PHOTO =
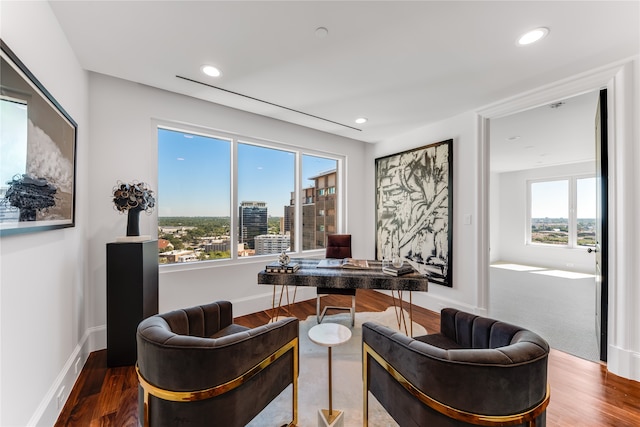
414,208
37,153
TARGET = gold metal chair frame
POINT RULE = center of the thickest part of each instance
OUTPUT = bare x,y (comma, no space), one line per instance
528,417
208,393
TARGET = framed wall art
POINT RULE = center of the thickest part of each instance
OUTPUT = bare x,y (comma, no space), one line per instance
37,153
414,209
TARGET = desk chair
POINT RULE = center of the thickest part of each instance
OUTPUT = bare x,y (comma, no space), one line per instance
338,246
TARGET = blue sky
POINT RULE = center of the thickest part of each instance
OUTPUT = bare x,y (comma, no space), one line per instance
551,199
194,173
13,134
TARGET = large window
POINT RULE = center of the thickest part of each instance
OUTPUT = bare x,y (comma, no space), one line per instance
266,177
202,216
194,197
562,212
319,218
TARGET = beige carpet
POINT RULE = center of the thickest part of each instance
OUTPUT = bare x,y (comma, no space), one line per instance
347,377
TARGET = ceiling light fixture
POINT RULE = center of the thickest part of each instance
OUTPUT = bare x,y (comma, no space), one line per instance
533,36
210,70
321,32
361,120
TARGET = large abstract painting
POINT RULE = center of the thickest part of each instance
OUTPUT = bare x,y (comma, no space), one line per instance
37,153
414,208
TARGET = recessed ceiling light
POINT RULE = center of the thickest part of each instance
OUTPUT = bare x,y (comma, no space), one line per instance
533,36
321,32
210,70
361,120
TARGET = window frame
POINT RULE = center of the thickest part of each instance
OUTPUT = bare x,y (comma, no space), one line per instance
299,152
572,220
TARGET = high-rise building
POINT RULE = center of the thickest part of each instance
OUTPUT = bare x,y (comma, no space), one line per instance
325,207
287,225
318,211
271,243
252,222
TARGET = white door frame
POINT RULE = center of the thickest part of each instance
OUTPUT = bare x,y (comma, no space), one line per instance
618,79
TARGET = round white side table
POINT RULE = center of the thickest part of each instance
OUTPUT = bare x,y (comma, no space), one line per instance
330,335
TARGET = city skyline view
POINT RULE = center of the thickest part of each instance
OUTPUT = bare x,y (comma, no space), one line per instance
194,175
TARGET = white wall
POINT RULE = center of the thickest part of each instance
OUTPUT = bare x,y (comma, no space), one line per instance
125,148
43,290
508,235
624,211
494,217
469,132
622,80
462,129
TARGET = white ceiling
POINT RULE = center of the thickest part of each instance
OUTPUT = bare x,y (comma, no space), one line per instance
401,64
545,136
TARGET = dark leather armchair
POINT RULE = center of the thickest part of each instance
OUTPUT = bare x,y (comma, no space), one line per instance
339,247
196,367
476,371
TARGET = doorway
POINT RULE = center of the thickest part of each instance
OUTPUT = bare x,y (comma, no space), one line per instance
543,218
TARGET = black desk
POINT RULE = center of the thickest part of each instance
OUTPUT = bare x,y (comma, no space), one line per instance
345,278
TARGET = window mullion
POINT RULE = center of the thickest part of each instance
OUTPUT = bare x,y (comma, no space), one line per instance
234,230
297,194
528,234
573,233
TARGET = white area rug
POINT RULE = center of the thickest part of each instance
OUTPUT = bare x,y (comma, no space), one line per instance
313,379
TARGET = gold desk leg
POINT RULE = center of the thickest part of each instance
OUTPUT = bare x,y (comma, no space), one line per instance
293,301
399,309
275,310
404,319
395,307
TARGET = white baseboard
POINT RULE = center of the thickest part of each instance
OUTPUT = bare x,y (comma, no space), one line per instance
624,363
435,303
54,400
255,303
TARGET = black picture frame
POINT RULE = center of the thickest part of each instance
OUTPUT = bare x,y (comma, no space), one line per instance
37,153
414,208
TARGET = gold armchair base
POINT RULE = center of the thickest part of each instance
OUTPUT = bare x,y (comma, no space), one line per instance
528,417
191,396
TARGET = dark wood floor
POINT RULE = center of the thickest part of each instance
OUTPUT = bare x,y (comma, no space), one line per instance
583,393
